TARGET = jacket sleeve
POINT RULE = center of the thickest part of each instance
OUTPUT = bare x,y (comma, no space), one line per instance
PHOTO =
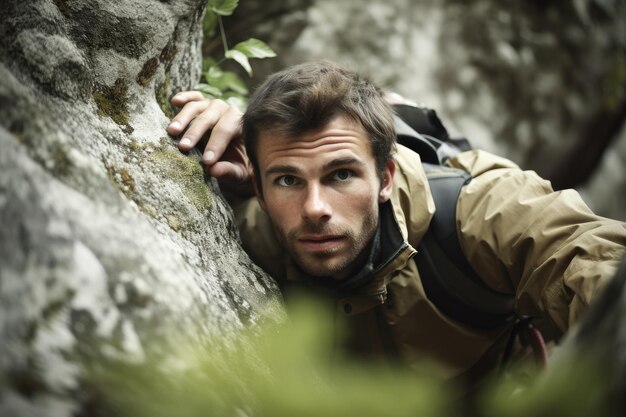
522,237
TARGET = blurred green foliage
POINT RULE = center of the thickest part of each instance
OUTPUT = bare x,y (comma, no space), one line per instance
279,369
573,388
227,85
292,369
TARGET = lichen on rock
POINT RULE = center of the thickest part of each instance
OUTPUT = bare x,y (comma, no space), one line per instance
147,72
113,242
186,170
113,102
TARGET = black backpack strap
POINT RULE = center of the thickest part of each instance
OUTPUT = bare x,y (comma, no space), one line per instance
430,149
426,121
423,120
448,279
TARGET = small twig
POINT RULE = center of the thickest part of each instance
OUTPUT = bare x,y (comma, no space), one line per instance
222,33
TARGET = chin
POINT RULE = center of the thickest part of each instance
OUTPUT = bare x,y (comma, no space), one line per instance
338,272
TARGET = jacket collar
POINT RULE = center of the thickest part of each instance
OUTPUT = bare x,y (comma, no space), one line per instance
387,245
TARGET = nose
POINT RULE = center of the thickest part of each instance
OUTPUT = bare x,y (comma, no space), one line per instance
316,207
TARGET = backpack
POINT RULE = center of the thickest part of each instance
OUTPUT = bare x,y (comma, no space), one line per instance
448,279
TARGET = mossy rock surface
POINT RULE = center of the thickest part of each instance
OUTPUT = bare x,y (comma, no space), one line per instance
113,242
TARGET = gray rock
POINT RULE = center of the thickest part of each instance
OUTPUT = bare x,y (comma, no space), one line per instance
540,83
114,245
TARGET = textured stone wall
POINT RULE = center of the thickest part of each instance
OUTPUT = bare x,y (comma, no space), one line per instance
113,244
539,82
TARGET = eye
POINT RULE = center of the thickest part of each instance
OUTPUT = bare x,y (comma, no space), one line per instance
287,181
342,175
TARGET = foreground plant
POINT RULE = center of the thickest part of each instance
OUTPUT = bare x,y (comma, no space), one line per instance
292,369
227,85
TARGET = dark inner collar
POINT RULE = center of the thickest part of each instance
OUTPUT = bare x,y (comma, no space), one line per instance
386,243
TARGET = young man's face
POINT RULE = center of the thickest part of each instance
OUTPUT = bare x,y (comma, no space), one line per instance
321,190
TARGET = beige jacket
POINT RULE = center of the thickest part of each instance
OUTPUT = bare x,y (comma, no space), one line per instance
545,247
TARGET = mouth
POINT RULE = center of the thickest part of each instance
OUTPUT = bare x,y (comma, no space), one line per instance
321,243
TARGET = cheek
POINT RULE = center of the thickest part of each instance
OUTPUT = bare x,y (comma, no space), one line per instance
281,209
358,201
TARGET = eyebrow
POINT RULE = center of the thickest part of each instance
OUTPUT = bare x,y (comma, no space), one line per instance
349,160
282,169
291,170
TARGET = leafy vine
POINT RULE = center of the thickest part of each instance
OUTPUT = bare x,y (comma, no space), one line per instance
216,82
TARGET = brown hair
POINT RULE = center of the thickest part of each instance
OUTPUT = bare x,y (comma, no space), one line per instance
307,96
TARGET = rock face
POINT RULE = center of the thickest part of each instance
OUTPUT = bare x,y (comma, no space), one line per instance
113,243
541,83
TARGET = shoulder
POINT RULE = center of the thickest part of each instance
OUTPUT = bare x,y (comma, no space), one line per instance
478,162
411,198
499,189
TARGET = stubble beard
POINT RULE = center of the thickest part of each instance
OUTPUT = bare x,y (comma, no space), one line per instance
321,264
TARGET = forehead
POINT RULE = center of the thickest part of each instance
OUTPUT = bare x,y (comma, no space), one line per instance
340,137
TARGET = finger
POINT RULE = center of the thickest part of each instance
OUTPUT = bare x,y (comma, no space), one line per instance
225,130
231,173
203,121
180,100
184,97
189,112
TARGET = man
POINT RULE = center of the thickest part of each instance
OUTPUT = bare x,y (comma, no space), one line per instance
340,209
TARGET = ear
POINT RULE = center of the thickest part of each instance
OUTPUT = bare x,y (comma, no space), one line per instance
387,185
258,193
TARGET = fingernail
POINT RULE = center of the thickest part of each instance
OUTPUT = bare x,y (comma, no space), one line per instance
209,155
174,125
185,141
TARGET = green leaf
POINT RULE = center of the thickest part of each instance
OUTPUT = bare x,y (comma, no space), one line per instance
254,48
207,63
241,58
234,83
208,90
214,72
225,80
209,24
223,7
237,100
